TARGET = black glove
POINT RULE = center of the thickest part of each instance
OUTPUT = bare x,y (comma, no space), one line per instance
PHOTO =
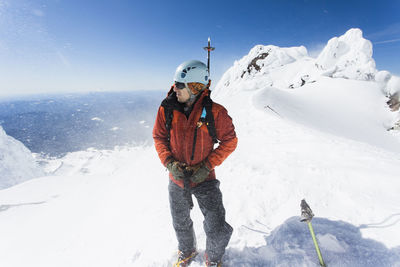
176,168
200,173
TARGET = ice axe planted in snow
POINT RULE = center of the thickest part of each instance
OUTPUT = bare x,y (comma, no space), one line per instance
306,216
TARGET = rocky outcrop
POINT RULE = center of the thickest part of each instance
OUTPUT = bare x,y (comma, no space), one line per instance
394,102
253,64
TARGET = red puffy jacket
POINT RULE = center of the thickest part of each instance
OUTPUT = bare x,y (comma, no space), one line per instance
182,134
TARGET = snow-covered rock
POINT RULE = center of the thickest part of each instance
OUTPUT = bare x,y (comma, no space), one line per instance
383,76
390,85
16,162
393,85
262,59
264,65
348,56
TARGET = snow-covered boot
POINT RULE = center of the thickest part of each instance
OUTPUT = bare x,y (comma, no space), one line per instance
212,263
184,259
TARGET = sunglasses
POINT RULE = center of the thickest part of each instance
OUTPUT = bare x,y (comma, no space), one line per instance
180,85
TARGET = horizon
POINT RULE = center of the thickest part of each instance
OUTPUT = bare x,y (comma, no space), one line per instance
58,46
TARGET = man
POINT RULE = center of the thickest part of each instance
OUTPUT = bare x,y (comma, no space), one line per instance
185,145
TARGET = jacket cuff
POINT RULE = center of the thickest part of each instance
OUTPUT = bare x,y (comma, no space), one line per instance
208,165
168,160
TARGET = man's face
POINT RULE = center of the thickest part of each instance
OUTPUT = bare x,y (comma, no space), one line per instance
182,94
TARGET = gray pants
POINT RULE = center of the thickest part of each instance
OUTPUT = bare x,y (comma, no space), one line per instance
209,198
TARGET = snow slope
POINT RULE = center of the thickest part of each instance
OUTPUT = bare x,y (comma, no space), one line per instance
16,162
324,141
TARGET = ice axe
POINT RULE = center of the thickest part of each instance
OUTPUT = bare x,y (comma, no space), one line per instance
209,49
306,216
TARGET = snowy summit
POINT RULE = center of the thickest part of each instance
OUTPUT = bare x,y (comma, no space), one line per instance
322,129
348,56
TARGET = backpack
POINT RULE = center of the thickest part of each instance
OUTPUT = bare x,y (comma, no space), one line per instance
206,117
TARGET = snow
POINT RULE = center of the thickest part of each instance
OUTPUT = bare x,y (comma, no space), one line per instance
97,119
347,117
324,140
17,164
393,85
348,56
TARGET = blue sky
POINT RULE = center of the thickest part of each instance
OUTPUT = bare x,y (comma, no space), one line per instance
112,45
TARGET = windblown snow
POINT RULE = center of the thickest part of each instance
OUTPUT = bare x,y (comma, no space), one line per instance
319,129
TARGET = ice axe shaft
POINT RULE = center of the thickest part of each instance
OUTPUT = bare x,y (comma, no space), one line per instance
209,49
321,261
306,216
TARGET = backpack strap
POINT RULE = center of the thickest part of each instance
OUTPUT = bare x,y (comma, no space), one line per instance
168,113
209,117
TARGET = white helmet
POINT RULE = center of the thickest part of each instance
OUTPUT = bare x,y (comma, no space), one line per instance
192,71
